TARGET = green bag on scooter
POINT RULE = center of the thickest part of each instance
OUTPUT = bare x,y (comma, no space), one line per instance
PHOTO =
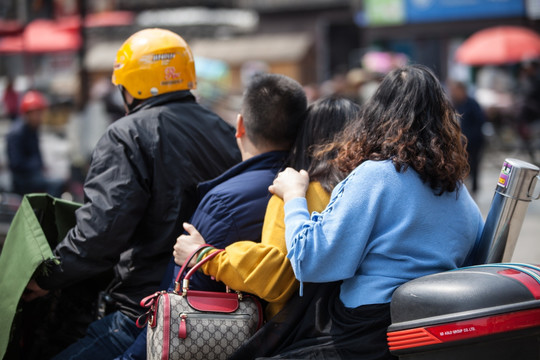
39,224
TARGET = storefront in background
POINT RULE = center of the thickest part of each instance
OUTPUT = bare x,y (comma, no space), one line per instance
429,31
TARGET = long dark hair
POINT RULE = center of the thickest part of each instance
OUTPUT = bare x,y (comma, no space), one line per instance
325,119
410,121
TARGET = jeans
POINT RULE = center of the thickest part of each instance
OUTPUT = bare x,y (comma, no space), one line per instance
137,350
105,339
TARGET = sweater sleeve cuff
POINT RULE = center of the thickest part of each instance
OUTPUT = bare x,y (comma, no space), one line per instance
296,215
295,207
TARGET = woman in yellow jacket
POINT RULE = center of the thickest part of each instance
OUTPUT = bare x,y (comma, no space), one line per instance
263,269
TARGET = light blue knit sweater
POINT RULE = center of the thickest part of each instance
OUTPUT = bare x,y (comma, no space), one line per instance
381,229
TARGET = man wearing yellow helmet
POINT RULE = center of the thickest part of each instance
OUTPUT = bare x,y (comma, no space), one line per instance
153,62
141,184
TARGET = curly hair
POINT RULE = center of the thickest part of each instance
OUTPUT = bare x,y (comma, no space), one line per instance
410,121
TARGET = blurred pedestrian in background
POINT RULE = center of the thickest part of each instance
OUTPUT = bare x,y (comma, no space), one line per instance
472,121
24,154
11,100
528,109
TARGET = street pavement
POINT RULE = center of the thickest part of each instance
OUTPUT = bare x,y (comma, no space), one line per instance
528,245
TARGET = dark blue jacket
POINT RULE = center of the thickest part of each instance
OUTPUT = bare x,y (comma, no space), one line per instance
232,209
23,150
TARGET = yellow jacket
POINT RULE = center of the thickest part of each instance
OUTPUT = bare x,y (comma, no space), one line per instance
262,268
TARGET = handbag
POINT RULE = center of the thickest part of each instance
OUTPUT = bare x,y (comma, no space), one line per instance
193,324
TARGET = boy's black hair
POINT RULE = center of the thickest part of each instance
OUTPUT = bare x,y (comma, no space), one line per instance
273,108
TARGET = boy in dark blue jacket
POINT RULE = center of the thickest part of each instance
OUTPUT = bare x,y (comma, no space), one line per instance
233,205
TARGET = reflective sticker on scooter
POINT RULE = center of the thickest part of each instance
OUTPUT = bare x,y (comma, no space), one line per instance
505,175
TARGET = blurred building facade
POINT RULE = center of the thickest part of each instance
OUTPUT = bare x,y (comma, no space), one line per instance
309,40
331,46
429,31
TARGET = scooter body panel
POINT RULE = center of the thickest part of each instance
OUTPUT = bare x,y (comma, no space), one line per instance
481,312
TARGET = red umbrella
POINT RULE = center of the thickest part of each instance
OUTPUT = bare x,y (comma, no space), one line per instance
46,36
110,18
49,36
42,36
10,27
499,45
11,44
100,19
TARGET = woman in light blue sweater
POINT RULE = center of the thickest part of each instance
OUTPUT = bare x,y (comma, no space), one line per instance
402,212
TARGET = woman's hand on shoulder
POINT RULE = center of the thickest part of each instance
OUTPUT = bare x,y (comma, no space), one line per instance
290,184
187,244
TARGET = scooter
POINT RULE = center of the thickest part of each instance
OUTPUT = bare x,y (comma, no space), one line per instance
488,311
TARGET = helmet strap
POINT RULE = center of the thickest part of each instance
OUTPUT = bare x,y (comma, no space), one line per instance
128,106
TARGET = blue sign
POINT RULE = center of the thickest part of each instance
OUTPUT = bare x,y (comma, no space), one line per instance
437,10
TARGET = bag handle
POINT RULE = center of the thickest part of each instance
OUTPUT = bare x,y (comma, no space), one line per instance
194,269
198,265
188,260
150,302
190,273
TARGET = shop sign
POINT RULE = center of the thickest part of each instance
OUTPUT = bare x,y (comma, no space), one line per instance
384,12
441,10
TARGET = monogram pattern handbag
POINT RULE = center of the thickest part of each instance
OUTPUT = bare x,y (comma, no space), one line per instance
192,324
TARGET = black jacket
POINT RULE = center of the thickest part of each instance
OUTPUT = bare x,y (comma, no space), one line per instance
139,189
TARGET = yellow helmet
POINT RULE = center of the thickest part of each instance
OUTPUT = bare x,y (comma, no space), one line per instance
153,62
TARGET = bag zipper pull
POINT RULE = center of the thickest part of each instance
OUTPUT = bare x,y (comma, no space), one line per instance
182,331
